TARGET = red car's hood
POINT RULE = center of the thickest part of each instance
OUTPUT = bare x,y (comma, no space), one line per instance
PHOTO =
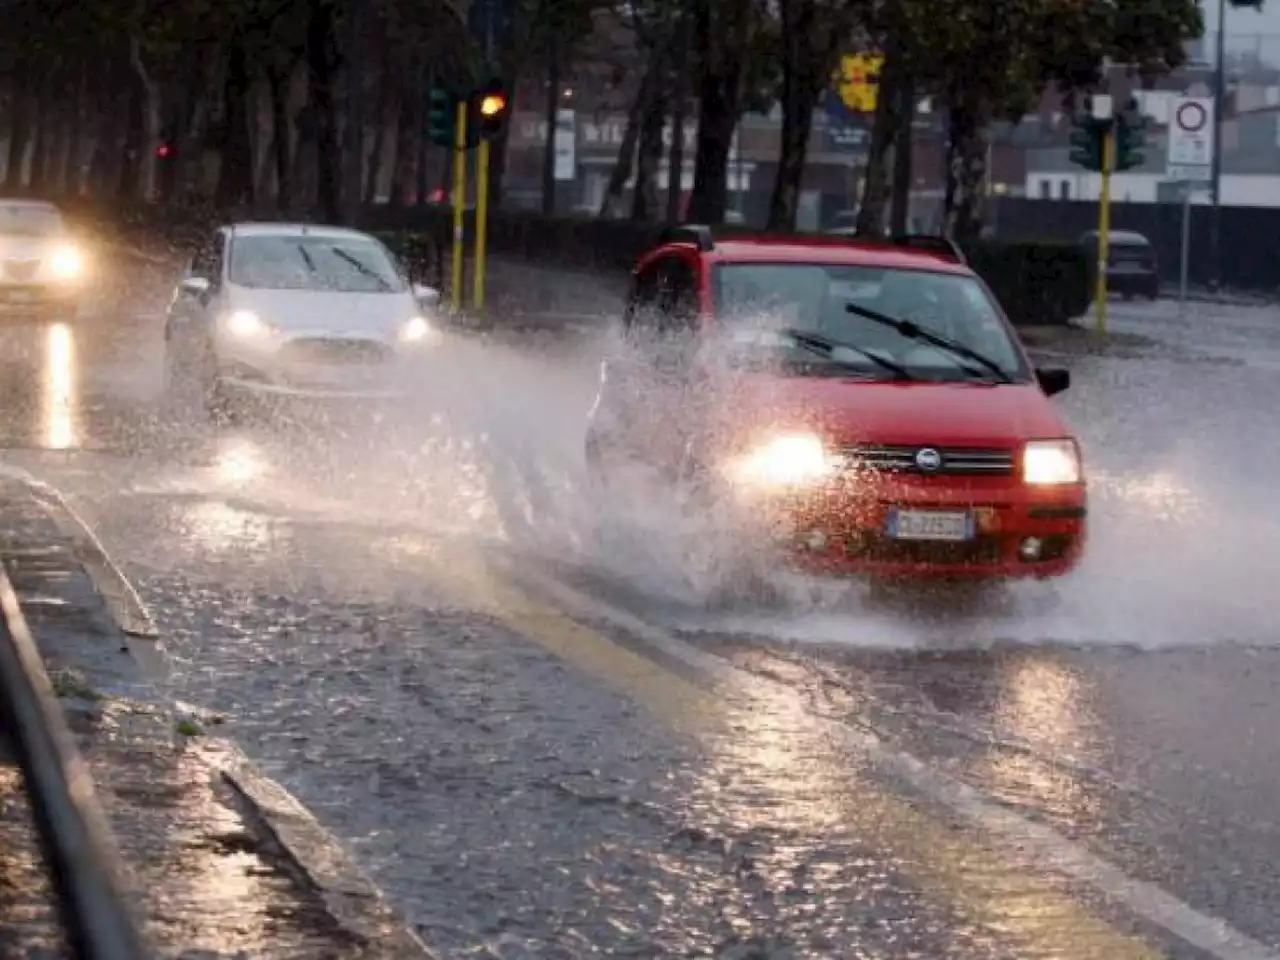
946,414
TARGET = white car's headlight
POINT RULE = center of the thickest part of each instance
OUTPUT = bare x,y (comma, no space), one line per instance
67,263
417,330
786,460
247,325
1051,462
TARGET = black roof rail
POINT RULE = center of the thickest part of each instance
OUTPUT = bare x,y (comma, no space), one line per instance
697,234
931,242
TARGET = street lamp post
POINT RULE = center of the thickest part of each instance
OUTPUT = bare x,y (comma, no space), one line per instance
1215,170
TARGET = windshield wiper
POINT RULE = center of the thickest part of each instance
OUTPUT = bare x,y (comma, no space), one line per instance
306,258
824,347
362,268
913,331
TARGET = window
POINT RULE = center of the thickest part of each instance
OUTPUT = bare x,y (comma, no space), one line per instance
754,300
679,296
1064,190
1046,190
340,264
664,298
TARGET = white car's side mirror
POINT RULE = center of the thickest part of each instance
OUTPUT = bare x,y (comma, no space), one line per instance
427,296
194,286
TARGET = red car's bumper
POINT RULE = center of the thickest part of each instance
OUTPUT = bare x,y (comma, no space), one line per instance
1013,531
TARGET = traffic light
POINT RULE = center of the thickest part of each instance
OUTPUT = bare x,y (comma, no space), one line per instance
1131,137
164,150
442,116
1087,137
492,105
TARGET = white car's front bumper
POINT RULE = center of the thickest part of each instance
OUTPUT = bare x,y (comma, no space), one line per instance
319,367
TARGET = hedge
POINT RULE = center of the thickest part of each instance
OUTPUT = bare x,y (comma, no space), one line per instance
1037,282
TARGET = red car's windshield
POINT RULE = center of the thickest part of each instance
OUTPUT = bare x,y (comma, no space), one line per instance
754,300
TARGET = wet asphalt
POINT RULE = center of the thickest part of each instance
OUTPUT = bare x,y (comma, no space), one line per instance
530,780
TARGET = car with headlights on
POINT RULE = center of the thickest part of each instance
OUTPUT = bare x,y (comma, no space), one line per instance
863,406
42,267
294,310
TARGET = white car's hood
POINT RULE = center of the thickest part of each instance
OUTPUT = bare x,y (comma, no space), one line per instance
327,313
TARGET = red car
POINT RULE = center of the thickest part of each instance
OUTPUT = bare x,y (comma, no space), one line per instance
866,405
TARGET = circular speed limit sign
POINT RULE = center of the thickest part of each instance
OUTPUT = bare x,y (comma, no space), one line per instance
1191,117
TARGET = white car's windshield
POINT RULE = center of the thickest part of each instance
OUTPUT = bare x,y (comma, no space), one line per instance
755,300
29,220
341,264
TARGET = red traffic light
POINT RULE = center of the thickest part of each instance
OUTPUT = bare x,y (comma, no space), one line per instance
163,151
492,104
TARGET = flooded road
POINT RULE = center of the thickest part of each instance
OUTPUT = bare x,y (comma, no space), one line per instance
542,750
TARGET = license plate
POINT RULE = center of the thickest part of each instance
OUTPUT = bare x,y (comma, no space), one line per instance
930,525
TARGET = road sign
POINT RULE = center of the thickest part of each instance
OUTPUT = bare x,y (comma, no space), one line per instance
1191,139
857,81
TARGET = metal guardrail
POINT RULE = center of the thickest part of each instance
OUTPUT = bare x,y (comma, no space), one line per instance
75,840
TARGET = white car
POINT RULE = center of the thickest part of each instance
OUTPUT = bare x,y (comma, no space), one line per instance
295,310
41,266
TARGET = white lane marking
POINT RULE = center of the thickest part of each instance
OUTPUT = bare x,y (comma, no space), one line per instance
1050,850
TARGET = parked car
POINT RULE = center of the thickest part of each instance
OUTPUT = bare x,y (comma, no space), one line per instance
1132,267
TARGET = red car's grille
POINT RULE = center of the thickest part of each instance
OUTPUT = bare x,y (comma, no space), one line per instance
984,461
981,550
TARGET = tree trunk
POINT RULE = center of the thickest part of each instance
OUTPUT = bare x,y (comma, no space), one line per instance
73,176
625,161
680,106
320,42
39,144
377,153
130,172
150,122
719,47
903,158
963,206
799,98
406,153
235,176
551,112
19,134
278,92
354,66
884,132
644,198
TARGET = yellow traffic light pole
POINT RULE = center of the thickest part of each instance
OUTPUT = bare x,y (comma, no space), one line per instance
1104,228
459,203
482,221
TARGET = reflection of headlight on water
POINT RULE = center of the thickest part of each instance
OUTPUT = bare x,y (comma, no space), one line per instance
67,263
783,461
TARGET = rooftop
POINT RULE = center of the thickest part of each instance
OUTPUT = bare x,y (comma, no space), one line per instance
832,250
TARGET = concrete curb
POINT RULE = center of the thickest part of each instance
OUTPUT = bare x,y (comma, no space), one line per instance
118,594
317,858
350,898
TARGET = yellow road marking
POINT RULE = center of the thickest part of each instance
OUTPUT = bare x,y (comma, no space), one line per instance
788,763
